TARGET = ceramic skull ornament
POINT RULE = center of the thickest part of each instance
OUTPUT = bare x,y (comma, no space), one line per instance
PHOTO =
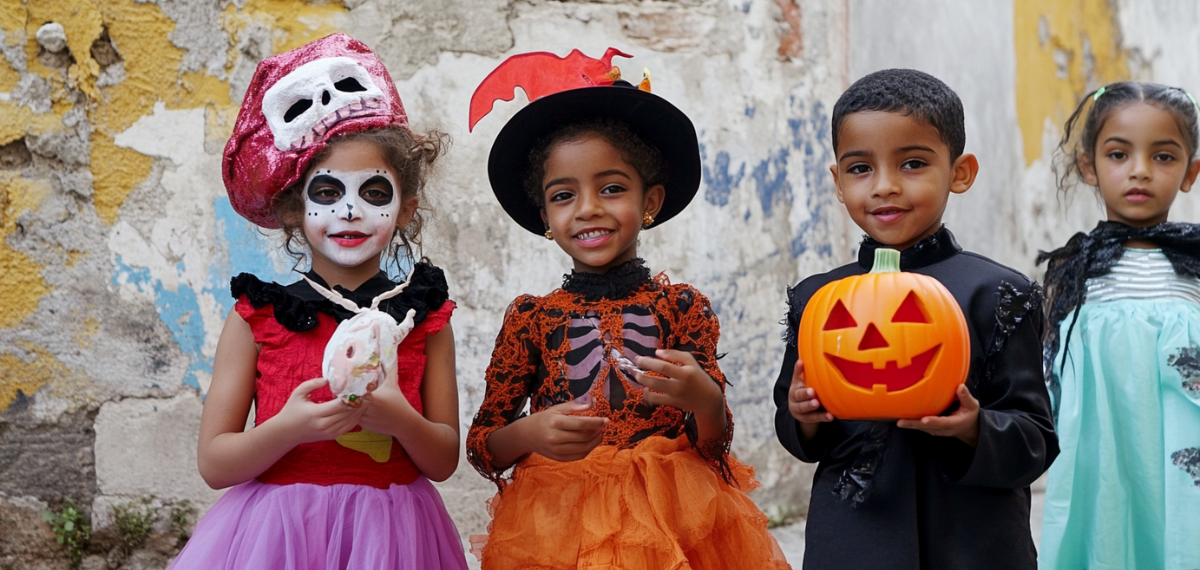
297,102
884,345
361,354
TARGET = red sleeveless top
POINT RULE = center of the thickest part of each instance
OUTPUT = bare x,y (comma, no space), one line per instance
287,358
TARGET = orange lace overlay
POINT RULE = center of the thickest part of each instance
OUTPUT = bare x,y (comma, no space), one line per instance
559,347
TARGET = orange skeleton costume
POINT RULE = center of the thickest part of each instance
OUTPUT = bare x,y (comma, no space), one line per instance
560,347
650,495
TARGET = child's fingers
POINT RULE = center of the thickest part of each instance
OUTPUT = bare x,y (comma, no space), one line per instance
662,385
798,373
580,404
658,366
967,402
679,357
809,411
935,425
307,387
579,423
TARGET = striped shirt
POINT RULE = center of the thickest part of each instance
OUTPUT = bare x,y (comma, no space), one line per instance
1143,274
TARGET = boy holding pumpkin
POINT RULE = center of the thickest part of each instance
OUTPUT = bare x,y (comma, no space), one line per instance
945,491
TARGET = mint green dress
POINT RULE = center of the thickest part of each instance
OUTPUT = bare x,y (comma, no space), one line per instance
1124,492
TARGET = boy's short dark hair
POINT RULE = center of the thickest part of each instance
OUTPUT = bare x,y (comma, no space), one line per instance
909,92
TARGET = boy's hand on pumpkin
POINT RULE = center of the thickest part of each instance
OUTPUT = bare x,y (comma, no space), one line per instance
963,423
559,433
802,400
678,381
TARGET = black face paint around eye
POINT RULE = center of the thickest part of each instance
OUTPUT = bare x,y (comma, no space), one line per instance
324,181
378,184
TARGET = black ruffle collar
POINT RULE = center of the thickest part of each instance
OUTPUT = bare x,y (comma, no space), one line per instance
939,246
1093,254
616,283
296,305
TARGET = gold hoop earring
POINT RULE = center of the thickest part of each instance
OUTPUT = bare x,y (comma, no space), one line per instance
647,219
549,235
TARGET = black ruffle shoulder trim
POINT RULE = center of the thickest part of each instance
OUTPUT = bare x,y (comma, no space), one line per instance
296,305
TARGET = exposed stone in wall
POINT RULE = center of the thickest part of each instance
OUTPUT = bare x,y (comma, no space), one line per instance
47,459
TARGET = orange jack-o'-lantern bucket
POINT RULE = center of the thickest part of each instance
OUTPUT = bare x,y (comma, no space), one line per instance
884,345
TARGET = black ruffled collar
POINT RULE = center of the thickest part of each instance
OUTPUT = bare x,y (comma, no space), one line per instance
1093,254
937,247
296,305
616,283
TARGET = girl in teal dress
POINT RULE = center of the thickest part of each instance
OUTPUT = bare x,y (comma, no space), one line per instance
1123,345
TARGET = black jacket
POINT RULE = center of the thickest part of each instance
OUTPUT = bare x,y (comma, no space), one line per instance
934,502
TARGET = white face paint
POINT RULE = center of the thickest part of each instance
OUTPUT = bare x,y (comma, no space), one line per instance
349,217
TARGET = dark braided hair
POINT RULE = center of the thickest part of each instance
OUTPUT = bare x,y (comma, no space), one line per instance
1173,100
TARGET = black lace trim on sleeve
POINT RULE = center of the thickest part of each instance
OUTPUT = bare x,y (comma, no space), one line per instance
296,306
1014,306
791,321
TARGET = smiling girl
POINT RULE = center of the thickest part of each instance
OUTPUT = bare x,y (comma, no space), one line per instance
317,483
623,459
1123,352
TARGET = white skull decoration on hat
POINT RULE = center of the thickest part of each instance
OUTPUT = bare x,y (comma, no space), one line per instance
302,105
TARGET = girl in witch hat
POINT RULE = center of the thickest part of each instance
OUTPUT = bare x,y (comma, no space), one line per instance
623,460
351,375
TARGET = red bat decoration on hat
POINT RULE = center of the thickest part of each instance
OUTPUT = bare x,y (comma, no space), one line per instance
539,74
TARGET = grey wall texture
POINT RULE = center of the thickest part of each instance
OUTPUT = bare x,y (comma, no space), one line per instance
117,241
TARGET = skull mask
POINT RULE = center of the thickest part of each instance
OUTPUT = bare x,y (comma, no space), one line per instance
296,103
302,106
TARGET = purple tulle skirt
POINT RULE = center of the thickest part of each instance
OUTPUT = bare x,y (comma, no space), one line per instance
313,527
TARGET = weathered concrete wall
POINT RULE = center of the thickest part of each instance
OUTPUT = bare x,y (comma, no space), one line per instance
117,240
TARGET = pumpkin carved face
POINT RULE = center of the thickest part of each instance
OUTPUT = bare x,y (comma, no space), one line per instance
884,345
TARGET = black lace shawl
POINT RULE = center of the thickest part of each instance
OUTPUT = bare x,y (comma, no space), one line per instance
296,305
614,284
1092,255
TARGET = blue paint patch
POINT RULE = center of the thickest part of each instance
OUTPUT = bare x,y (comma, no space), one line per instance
247,250
746,7
718,180
810,135
750,110
770,177
179,310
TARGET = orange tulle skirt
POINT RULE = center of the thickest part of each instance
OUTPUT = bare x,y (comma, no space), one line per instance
656,506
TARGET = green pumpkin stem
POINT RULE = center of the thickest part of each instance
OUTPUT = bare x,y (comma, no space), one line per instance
886,261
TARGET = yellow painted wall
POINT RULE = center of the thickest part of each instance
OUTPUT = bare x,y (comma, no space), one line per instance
1052,41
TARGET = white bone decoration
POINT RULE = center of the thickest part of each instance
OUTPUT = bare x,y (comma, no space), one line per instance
305,103
362,351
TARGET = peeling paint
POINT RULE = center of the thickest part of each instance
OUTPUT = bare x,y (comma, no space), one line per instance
116,171
1064,49
23,282
23,374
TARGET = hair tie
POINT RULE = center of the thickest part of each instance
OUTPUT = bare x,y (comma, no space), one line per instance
1192,99
1101,90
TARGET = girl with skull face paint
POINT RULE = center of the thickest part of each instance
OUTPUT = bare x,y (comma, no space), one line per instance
623,458
334,474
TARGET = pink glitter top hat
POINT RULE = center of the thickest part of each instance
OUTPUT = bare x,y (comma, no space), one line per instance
297,102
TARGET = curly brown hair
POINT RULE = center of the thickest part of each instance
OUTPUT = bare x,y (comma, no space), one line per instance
411,157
